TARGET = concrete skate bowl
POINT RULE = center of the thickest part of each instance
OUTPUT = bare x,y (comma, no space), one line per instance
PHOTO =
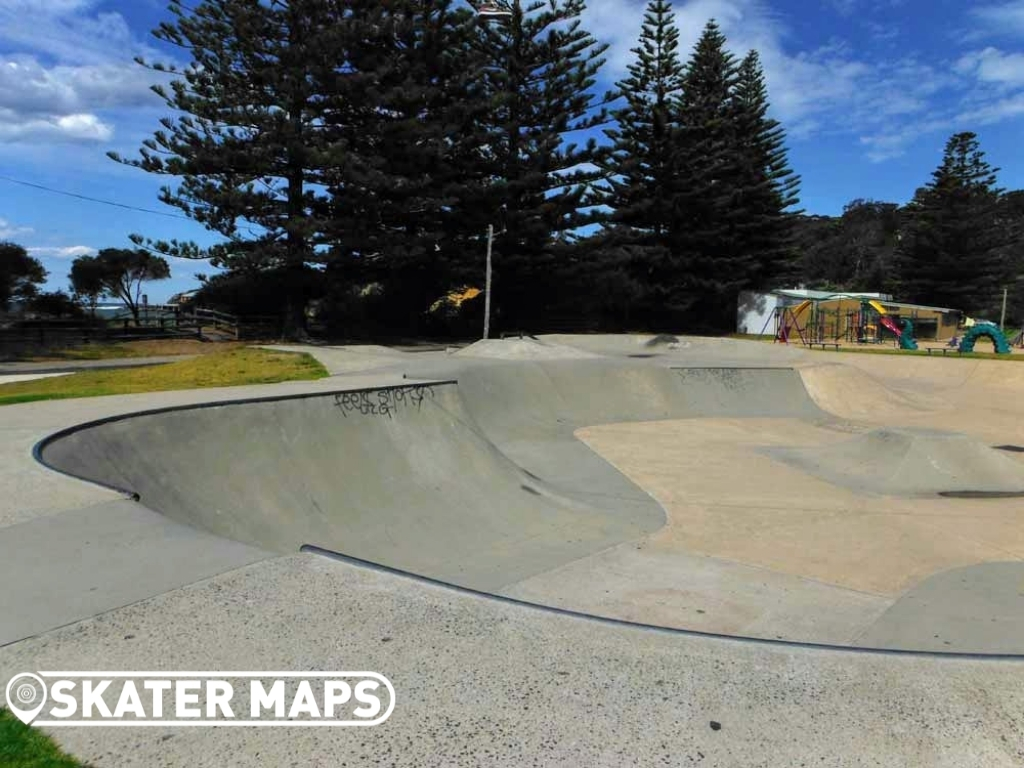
480,482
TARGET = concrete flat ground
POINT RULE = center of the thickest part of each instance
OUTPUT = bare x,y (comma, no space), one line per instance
700,485
820,562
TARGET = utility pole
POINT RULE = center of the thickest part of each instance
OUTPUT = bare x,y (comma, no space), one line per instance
487,283
1002,317
486,12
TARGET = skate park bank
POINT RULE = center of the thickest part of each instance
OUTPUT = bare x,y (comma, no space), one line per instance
657,533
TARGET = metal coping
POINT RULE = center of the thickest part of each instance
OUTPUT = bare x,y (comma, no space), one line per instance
358,562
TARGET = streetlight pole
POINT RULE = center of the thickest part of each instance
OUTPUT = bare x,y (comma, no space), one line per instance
486,12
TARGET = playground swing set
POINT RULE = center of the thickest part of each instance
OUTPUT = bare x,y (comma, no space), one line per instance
813,326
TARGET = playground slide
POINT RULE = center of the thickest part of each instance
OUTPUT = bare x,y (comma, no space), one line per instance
907,340
880,310
888,323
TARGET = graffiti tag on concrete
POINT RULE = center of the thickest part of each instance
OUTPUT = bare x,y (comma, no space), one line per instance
383,402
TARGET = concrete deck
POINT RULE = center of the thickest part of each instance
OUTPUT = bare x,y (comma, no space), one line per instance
527,678
74,366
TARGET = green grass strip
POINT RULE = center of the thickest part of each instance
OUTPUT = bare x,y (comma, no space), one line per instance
24,747
225,369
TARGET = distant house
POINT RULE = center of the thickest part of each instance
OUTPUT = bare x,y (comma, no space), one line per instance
186,297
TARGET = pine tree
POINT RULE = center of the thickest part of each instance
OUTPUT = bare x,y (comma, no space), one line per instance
640,166
768,189
704,272
641,161
248,145
402,185
541,69
950,248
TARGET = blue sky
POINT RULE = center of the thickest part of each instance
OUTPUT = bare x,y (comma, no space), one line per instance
868,91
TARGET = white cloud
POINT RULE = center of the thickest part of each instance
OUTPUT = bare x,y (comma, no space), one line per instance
993,111
70,31
992,65
65,252
81,127
29,87
1005,18
829,89
9,231
92,70
892,141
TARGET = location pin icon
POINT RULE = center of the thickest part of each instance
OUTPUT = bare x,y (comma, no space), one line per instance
26,696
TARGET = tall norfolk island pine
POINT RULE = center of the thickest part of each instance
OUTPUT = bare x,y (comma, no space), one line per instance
769,190
643,141
641,166
348,131
949,254
541,67
248,146
700,186
406,185
733,184
467,123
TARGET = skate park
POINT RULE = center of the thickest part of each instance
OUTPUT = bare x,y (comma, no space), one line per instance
817,544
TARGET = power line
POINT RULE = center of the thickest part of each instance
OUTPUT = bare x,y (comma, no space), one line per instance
92,199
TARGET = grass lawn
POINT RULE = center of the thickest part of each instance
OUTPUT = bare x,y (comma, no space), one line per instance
24,747
147,348
222,369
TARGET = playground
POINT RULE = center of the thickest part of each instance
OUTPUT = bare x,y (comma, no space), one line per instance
802,547
866,321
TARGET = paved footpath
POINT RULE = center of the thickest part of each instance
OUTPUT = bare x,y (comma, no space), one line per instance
76,366
97,582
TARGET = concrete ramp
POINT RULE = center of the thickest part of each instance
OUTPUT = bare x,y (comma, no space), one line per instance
400,476
902,462
747,393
